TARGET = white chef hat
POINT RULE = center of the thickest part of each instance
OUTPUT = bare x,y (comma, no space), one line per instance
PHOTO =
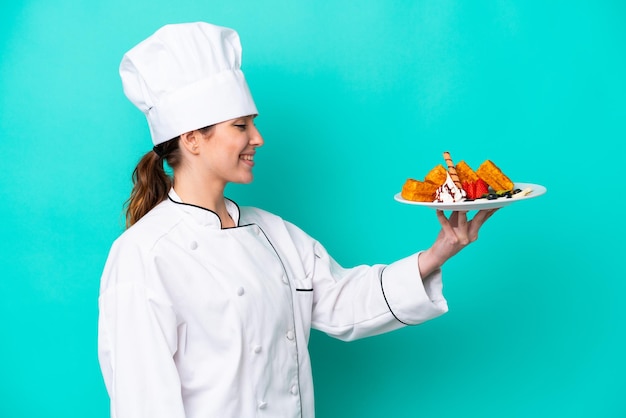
185,77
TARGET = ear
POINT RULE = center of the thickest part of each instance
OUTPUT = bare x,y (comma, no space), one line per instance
190,141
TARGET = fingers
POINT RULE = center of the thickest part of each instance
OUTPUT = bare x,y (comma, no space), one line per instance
457,232
445,224
456,228
461,219
478,221
483,215
462,230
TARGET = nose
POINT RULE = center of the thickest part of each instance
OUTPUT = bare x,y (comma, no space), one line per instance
256,139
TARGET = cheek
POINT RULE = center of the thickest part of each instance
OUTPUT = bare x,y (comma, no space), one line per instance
225,158
233,151
226,153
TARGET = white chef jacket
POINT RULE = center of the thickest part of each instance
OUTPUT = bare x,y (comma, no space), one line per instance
197,321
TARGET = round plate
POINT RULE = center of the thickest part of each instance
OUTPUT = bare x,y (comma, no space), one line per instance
478,204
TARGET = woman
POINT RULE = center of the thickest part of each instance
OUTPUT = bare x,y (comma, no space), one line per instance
205,307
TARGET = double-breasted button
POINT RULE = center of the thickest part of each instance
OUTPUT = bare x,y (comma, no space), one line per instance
240,291
257,349
294,390
290,335
262,405
283,277
193,245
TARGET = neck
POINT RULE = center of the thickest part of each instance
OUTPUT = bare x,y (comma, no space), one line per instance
199,192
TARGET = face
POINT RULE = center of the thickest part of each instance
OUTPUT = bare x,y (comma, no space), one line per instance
227,151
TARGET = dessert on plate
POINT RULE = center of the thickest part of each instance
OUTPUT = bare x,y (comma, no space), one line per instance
459,183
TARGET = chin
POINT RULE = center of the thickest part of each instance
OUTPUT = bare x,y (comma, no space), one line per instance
246,180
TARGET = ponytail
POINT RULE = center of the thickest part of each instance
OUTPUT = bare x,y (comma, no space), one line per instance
151,183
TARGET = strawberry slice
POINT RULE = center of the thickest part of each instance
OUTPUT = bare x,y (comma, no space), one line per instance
469,187
480,188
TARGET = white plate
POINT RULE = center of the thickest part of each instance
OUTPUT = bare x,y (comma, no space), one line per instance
537,190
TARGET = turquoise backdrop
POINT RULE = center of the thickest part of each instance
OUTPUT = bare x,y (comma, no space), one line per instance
354,97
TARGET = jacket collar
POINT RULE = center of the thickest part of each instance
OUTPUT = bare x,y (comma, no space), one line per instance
204,216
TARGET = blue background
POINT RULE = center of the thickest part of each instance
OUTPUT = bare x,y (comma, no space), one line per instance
354,97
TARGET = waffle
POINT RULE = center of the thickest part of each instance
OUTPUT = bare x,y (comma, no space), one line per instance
419,191
465,172
424,191
436,176
493,176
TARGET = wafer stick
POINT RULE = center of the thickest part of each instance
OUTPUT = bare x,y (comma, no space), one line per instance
452,170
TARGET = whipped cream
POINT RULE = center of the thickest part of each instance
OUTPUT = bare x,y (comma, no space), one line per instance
448,192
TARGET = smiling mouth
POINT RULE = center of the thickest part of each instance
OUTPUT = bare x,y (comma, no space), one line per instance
247,157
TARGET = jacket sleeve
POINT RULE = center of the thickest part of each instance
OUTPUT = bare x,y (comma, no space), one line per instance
352,303
137,339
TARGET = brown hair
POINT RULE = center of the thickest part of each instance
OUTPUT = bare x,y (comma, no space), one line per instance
151,183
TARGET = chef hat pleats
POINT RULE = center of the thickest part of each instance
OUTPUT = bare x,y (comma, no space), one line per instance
185,77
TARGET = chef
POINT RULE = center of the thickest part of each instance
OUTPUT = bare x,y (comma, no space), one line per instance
206,307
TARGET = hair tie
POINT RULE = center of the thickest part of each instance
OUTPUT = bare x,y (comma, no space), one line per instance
158,150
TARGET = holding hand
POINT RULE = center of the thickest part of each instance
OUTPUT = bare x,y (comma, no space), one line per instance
456,232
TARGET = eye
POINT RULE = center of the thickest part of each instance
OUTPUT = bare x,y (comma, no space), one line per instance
241,126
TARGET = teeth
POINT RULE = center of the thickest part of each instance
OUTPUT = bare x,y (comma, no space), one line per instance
247,157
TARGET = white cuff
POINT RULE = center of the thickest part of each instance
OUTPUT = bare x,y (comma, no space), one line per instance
411,299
